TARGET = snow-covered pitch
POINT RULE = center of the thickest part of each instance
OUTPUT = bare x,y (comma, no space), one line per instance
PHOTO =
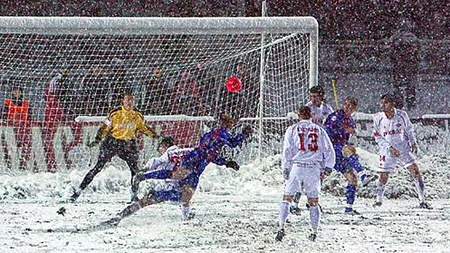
235,212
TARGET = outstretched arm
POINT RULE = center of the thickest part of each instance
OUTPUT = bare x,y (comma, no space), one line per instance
101,133
220,160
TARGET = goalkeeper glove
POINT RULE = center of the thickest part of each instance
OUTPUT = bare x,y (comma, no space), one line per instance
232,164
247,131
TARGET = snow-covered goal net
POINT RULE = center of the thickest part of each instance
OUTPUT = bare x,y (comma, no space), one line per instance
70,71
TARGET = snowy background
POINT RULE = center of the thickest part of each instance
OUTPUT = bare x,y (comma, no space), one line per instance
235,211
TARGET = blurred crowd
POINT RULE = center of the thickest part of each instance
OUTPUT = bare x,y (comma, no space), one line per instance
338,19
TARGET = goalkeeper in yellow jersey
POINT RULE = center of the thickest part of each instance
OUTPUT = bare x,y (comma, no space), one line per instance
118,137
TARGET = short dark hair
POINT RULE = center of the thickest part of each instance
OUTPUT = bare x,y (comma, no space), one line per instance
317,89
167,141
388,97
352,100
127,92
226,118
304,112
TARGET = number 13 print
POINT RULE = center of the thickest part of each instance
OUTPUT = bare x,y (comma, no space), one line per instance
312,146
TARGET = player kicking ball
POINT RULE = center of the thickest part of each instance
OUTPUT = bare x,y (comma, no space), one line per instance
395,136
306,149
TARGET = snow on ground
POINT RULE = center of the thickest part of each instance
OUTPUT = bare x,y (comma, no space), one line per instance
235,212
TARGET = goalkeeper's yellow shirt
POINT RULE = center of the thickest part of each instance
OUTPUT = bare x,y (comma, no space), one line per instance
123,124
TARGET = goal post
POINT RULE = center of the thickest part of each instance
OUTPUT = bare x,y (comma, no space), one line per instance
71,70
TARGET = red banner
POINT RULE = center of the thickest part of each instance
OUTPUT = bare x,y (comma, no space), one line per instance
45,146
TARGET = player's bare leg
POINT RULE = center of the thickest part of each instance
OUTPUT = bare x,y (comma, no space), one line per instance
181,173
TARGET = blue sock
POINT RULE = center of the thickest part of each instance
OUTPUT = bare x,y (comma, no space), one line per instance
350,193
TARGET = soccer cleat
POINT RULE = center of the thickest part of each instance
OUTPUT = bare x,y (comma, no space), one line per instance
366,180
280,235
425,205
377,203
113,222
74,197
294,210
188,216
134,198
312,237
349,210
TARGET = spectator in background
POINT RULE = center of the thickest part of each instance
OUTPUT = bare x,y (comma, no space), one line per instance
250,89
186,96
243,103
405,59
3,92
16,108
157,95
17,113
54,116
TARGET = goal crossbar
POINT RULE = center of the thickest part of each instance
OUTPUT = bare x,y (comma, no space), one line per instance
153,25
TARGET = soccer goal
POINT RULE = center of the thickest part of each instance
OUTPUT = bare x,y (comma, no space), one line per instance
72,70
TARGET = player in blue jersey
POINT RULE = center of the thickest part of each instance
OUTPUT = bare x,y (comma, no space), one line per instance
186,177
340,125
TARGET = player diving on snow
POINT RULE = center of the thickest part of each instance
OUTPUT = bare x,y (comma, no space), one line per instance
183,168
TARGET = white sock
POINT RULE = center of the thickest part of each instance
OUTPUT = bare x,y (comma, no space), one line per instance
380,192
284,212
314,215
185,210
419,188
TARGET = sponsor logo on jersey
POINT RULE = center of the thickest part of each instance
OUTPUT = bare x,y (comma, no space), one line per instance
129,126
392,132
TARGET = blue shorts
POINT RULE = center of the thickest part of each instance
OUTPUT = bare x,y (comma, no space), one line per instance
167,195
344,163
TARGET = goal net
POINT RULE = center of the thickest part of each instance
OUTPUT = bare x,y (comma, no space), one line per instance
62,75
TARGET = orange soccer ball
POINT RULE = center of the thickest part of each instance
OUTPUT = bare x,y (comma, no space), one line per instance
234,84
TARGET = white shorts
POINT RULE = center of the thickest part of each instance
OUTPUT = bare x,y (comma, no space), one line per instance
389,162
304,176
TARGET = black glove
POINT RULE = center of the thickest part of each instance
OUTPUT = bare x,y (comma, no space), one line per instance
92,144
326,171
247,131
139,177
232,164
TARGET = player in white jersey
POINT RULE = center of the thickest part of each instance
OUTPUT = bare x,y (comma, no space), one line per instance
319,112
319,109
394,134
306,149
161,168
